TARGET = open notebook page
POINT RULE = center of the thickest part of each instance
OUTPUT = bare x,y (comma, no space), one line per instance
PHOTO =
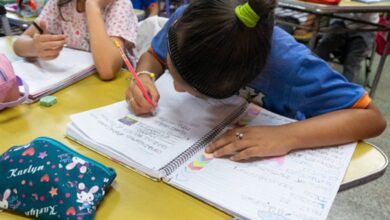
41,75
300,185
153,142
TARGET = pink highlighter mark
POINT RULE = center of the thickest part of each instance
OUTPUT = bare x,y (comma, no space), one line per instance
279,160
251,113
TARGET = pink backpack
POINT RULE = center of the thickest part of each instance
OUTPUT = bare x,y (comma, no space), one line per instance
9,85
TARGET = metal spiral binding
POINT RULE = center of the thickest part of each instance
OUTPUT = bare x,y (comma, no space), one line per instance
197,146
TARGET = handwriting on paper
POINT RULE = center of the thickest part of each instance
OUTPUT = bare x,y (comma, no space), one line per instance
154,137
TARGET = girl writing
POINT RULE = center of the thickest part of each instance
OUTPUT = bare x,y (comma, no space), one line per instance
88,25
213,48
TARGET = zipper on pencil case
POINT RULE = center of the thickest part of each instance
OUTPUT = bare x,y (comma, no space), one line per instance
109,171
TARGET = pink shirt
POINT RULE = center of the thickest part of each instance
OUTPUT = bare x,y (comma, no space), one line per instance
119,19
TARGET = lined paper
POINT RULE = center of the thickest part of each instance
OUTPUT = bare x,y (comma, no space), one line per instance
301,185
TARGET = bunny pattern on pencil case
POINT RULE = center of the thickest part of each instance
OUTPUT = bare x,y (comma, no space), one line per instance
47,180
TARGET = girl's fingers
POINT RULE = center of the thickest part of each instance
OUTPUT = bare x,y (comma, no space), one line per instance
51,57
50,37
140,98
247,154
233,148
137,101
49,54
52,45
154,95
223,140
136,108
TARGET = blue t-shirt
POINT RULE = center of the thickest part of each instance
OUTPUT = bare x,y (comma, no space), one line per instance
295,82
142,4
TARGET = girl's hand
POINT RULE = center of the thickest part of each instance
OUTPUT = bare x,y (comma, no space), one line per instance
258,141
135,98
48,46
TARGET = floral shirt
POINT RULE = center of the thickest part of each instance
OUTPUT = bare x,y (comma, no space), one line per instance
119,18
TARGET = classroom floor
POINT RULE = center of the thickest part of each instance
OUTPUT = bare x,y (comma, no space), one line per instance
372,200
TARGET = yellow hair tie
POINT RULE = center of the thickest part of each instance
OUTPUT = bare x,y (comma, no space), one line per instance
246,15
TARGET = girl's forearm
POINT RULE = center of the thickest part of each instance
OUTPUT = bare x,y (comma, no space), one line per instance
149,63
337,127
106,56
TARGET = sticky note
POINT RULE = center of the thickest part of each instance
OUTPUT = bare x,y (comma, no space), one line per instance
48,101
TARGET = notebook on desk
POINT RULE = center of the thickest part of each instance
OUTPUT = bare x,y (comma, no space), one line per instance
170,146
370,1
46,77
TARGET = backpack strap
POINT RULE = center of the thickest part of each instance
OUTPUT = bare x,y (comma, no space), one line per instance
21,99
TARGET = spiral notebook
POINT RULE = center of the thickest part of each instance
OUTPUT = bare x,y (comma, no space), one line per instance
371,1
170,146
46,77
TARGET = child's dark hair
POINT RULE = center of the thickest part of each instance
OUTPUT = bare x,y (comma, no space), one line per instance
214,51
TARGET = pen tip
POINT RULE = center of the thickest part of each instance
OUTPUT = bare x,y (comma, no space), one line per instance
154,112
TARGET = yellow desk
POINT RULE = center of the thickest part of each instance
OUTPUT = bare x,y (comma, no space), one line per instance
133,196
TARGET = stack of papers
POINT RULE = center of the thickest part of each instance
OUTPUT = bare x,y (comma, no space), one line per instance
370,1
47,77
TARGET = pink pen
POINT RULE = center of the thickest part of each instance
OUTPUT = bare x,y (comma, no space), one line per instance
135,76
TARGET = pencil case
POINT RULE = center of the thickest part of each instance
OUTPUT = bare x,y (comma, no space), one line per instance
47,180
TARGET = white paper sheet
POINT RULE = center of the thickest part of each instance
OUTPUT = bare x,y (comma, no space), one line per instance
301,185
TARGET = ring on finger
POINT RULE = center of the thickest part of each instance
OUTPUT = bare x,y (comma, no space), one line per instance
239,135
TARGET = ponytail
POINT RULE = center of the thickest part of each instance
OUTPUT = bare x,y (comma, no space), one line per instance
263,7
218,52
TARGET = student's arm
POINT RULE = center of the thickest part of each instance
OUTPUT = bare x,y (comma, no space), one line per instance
134,97
153,9
105,54
33,44
338,127
154,60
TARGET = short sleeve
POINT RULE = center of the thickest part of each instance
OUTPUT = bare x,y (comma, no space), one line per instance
51,16
137,4
317,89
121,21
160,41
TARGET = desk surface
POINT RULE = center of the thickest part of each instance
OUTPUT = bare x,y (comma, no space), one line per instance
133,195
345,6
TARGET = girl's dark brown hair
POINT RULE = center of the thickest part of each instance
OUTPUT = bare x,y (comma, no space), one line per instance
214,51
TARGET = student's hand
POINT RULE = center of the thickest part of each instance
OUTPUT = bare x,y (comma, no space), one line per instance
258,141
135,98
48,46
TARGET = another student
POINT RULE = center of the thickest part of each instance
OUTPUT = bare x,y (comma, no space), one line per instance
149,6
89,25
213,48
354,46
